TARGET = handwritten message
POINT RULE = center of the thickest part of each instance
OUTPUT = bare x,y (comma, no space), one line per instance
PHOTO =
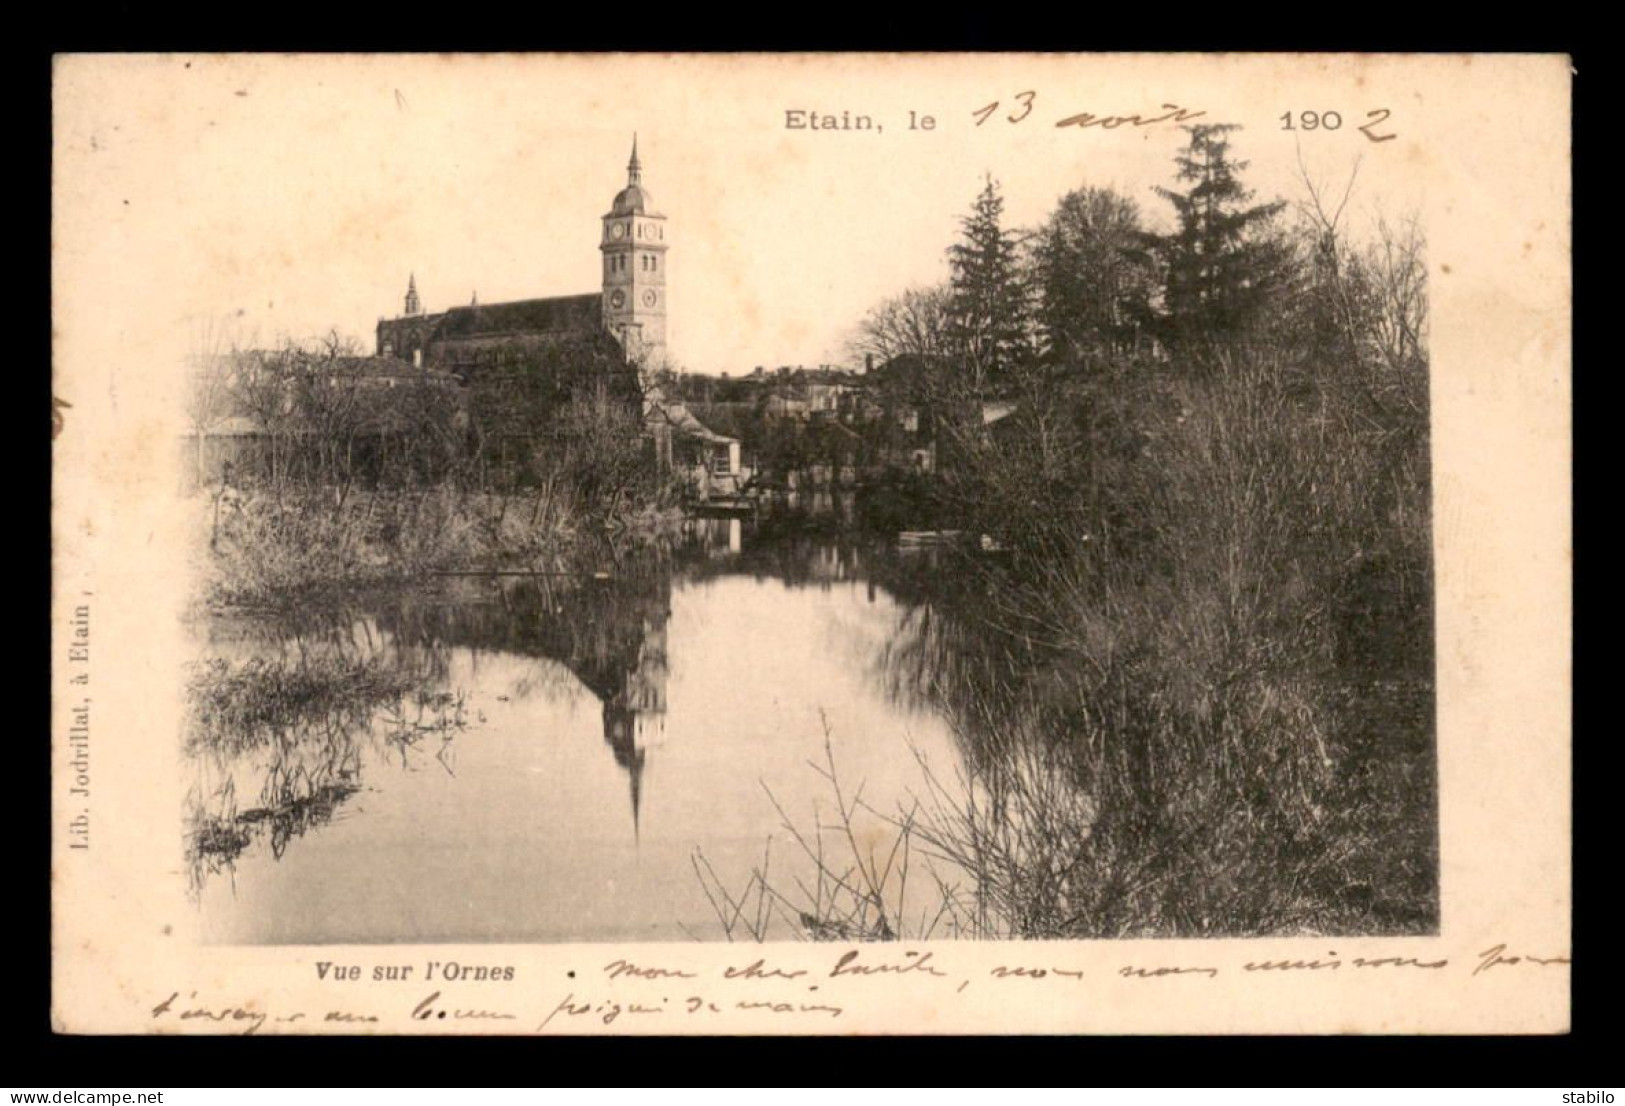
623,992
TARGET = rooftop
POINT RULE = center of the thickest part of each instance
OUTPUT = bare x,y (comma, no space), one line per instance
555,314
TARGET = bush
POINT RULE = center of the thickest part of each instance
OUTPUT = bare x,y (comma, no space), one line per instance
268,549
1216,713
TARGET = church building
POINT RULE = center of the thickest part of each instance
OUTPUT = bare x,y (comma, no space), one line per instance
629,308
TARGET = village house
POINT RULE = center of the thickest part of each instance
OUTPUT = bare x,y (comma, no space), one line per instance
709,462
803,393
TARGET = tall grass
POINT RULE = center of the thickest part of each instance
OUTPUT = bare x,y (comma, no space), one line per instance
265,547
853,873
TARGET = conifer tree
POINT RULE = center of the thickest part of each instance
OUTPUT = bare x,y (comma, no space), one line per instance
990,311
1222,265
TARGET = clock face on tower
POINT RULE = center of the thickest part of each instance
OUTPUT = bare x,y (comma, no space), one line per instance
617,299
649,298
618,230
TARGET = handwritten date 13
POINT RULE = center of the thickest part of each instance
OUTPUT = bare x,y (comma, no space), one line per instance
1023,104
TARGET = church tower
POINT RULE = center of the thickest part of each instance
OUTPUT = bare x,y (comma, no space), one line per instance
414,306
634,249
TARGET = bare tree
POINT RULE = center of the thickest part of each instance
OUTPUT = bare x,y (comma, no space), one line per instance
1396,261
261,391
1329,259
209,385
914,323
328,380
428,424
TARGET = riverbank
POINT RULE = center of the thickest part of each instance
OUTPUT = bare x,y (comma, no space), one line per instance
259,549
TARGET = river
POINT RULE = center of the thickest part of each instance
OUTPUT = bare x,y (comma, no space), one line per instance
608,755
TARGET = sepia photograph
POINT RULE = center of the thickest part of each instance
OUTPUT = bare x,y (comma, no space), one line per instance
892,503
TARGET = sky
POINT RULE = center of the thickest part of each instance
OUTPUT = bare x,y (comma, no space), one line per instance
266,197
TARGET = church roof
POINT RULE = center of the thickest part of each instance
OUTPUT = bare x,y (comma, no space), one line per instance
556,314
681,419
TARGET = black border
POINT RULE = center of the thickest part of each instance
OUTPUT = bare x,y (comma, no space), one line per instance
39,1058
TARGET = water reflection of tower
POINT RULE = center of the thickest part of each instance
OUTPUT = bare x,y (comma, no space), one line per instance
609,631
635,714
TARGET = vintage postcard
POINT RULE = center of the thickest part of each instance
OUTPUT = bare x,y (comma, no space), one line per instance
802,544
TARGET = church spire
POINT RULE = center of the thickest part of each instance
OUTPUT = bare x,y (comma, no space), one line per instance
414,306
634,170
